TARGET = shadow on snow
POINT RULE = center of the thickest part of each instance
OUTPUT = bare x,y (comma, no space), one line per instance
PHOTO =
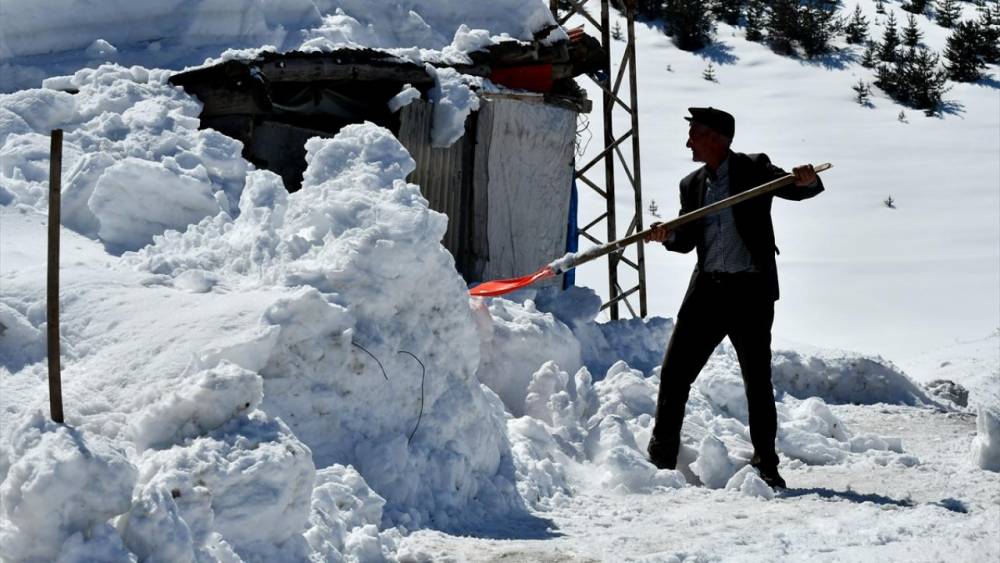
851,496
718,53
523,526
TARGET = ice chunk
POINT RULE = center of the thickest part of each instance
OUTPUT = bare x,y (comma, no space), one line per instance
136,199
403,98
453,101
749,483
986,444
212,397
713,467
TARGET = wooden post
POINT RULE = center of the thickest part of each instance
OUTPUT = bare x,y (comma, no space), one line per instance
52,299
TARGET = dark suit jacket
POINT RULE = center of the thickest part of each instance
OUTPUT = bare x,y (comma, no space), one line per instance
752,217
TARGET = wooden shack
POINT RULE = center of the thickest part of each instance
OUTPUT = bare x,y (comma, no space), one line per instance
505,185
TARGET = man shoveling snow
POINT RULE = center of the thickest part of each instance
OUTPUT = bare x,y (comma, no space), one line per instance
733,287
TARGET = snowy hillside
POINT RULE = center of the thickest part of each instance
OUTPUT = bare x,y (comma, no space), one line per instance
251,374
855,274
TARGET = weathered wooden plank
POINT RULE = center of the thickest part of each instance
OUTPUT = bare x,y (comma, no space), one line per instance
311,70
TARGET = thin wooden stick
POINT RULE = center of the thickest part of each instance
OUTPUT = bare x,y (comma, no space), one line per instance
55,191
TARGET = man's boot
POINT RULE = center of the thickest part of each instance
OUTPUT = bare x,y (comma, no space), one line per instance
663,456
769,474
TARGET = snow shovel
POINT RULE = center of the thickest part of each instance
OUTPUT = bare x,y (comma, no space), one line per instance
572,260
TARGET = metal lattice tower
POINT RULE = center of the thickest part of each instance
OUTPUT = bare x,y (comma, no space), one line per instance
563,10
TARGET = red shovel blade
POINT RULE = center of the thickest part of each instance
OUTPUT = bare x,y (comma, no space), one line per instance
502,287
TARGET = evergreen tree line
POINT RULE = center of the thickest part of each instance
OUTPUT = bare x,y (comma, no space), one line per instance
911,73
905,69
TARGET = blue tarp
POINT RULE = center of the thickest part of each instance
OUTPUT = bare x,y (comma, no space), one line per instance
572,235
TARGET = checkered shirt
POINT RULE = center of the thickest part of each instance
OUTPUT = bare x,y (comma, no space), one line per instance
720,245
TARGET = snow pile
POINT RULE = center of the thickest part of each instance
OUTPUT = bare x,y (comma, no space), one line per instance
135,163
59,485
49,37
21,343
949,391
841,377
516,340
574,427
639,342
372,361
428,24
250,481
327,328
986,444
453,101
345,518
571,425
211,398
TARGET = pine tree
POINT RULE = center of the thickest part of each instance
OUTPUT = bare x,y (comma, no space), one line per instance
709,73
649,8
862,92
782,25
948,12
886,78
879,6
654,209
914,79
728,11
964,63
989,32
925,81
915,6
817,24
870,57
616,32
689,23
911,33
755,20
890,40
857,27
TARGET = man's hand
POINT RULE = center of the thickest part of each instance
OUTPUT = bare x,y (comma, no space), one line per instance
804,175
657,233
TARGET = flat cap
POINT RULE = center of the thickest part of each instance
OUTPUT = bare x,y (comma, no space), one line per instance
715,119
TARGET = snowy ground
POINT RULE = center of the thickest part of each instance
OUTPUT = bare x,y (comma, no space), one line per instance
252,375
854,512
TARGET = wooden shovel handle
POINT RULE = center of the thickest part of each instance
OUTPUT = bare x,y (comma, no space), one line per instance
730,201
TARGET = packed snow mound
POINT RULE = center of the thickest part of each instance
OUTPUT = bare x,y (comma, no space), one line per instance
326,328
39,38
135,163
372,361
345,518
573,427
21,342
516,340
842,377
638,342
429,30
986,444
572,423
58,482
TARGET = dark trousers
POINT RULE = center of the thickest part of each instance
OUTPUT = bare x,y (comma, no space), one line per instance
737,305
